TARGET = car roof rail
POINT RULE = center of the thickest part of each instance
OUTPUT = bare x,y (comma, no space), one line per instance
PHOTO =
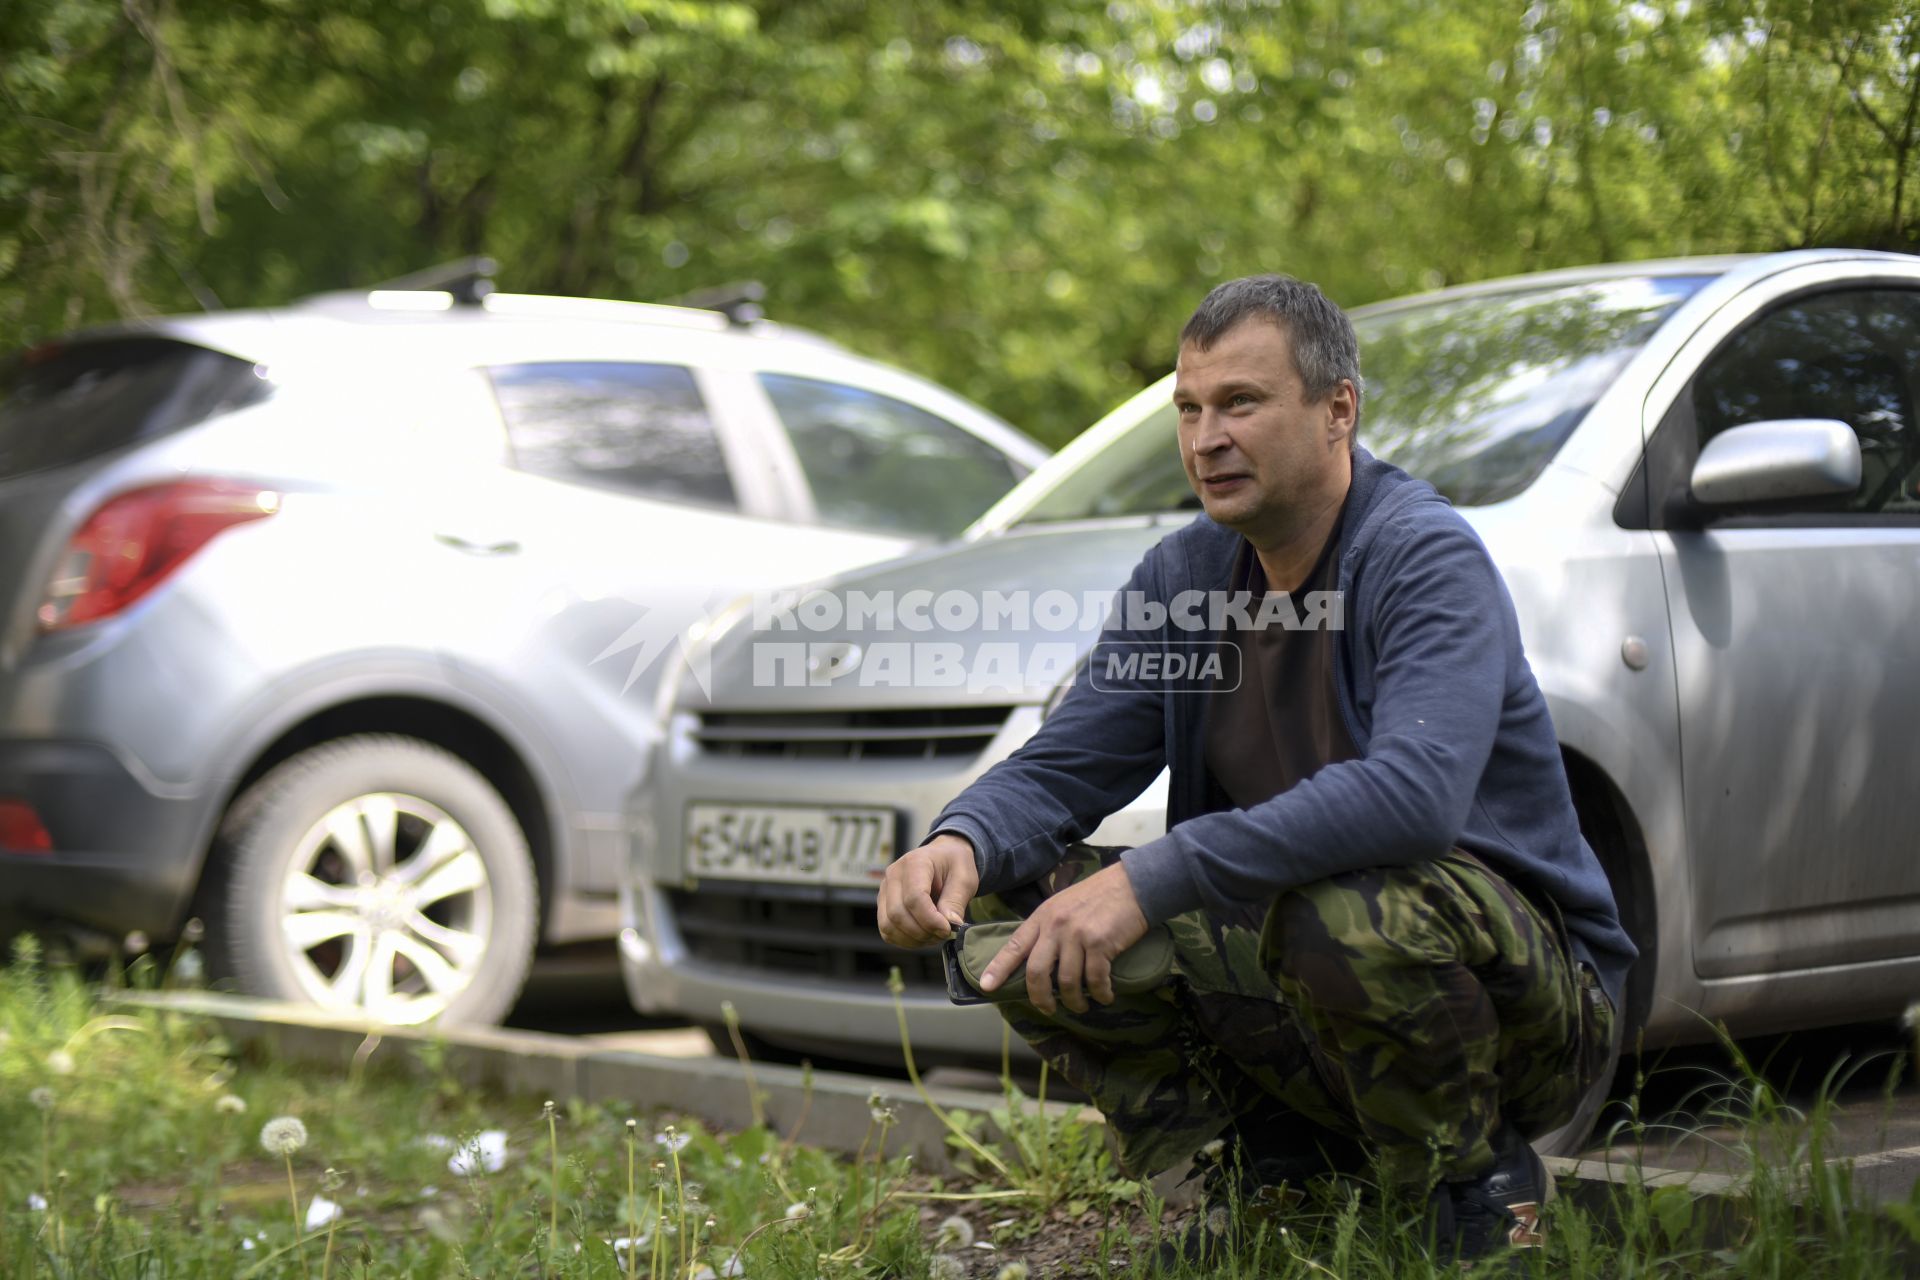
464,282
469,280
739,301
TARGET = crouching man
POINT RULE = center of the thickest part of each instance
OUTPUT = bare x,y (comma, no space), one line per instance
1393,949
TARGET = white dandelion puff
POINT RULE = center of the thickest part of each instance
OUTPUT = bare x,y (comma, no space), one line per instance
321,1212
1217,1220
60,1062
1015,1270
36,1202
946,1267
283,1135
485,1152
41,1098
231,1105
799,1209
954,1233
673,1141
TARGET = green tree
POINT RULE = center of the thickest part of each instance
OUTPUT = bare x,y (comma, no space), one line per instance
1022,200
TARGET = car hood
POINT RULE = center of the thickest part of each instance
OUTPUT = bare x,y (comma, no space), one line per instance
1034,596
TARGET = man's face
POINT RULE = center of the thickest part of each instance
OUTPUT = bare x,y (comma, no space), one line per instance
1263,460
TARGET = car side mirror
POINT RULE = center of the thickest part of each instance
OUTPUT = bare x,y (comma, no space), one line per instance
1776,460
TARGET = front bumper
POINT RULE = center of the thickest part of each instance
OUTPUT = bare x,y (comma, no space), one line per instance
806,968
124,856
853,1020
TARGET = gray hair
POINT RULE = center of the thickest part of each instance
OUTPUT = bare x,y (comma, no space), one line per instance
1325,350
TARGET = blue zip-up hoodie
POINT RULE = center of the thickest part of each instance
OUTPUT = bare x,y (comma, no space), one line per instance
1455,743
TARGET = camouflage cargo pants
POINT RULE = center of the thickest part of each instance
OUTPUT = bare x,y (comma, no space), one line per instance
1410,1008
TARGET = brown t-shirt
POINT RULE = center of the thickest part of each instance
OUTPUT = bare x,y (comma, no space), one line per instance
1283,723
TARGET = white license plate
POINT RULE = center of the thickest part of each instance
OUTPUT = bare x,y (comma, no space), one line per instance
792,844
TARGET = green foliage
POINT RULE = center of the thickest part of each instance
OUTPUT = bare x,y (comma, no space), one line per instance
138,1155
1022,200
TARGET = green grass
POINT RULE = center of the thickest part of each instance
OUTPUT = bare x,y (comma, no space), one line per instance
142,1159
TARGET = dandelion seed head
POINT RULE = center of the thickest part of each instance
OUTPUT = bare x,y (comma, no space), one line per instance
954,1233
546,1109
1015,1270
41,1098
283,1135
60,1062
946,1267
231,1105
1217,1220
36,1202
798,1209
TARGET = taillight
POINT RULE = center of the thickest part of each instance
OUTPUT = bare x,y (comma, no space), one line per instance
21,830
136,540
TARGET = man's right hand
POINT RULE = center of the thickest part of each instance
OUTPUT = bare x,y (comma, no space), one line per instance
925,891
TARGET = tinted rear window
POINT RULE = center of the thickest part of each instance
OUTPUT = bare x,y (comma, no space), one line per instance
64,403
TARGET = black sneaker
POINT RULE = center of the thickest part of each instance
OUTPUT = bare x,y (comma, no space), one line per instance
1501,1209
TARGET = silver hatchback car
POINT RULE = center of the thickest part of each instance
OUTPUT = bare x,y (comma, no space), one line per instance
337,625
1701,480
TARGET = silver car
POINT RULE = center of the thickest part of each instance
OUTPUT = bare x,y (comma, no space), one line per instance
1701,479
338,625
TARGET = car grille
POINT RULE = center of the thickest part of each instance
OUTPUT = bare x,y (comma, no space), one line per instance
915,734
807,931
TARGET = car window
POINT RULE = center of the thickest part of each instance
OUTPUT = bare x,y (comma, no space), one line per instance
640,428
1849,355
63,403
1473,394
874,462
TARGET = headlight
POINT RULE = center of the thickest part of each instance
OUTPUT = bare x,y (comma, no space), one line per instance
692,647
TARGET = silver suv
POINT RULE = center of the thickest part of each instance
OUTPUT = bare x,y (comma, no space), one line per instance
338,625
1701,479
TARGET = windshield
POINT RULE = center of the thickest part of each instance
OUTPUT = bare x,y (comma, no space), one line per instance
1474,395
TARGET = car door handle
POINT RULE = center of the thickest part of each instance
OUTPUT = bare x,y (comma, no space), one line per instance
506,547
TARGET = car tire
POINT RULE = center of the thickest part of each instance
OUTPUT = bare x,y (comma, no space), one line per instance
375,875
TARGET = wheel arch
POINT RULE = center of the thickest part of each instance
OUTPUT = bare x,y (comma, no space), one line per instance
1610,827
463,731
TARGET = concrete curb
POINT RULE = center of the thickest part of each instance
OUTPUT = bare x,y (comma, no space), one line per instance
834,1114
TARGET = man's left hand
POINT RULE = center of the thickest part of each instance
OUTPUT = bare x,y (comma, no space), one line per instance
1071,941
